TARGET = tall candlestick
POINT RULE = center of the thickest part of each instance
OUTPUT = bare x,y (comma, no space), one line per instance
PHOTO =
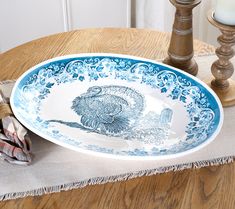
180,52
225,12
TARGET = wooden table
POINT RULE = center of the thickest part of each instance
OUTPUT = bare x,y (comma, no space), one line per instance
211,187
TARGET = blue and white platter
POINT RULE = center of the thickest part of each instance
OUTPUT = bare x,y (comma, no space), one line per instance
117,106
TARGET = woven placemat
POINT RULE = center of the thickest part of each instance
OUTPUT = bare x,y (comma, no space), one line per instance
56,168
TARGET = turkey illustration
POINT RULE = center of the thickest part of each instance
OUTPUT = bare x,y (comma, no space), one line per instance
109,110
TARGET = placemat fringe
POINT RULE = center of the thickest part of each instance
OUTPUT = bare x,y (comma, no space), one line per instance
122,177
7,82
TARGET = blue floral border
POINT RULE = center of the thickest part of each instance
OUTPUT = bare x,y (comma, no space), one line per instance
202,108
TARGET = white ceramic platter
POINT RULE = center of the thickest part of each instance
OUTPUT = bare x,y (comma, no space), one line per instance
117,106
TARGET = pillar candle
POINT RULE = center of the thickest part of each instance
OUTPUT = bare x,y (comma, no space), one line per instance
225,12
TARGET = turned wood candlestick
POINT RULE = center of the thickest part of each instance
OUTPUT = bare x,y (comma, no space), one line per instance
222,69
180,52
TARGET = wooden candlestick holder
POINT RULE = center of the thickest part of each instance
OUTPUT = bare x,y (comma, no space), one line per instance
180,52
222,69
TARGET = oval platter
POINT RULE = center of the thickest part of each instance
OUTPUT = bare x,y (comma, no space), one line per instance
117,106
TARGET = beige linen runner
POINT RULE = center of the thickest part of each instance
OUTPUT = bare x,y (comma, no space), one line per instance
55,168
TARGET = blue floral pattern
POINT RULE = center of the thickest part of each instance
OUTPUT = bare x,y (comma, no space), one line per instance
202,108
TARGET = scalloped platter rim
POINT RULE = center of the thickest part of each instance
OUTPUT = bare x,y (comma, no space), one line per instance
118,106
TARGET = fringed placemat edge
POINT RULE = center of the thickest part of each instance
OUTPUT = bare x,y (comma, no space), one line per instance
116,178
7,81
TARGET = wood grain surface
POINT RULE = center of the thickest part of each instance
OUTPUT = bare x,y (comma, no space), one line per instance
205,188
